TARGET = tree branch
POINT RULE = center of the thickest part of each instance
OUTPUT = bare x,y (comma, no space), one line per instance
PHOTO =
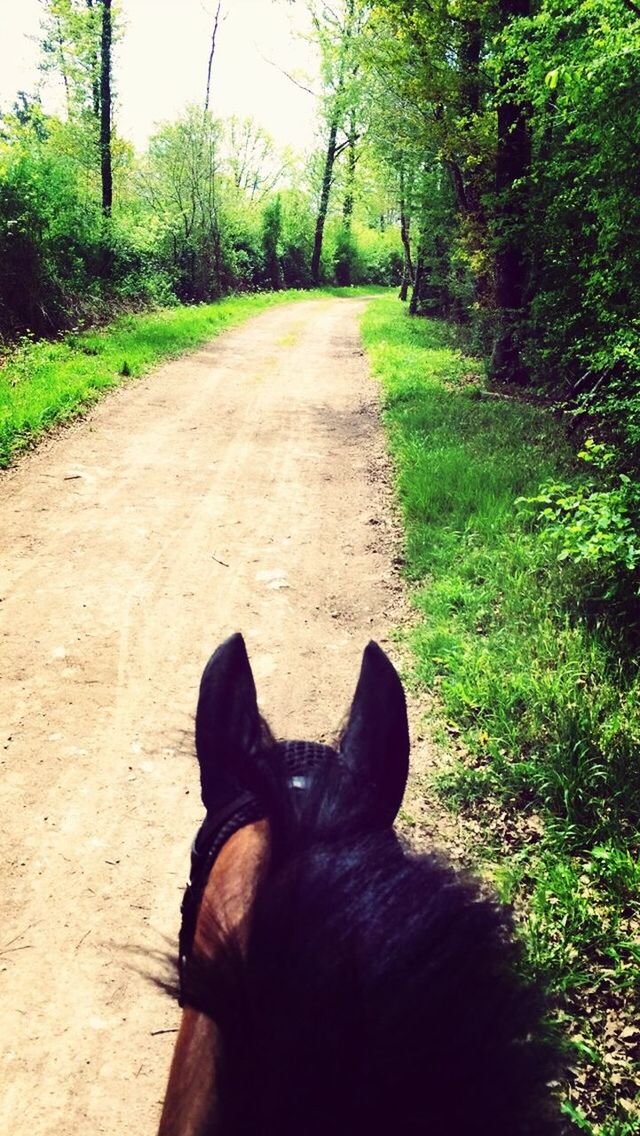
211,54
288,76
343,145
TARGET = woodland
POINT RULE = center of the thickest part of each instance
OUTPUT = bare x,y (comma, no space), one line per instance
480,158
480,154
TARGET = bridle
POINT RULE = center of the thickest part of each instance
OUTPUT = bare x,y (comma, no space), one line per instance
271,809
298,760
328,979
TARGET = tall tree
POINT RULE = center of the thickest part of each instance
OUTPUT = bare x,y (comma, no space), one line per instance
77,44
425,62
404,199
327,180
352,158
513,160
212,52
336,31
105,109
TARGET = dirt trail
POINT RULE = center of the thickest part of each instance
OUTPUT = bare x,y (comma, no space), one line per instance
242,487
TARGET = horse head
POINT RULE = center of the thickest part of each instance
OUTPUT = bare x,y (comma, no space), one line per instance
331,981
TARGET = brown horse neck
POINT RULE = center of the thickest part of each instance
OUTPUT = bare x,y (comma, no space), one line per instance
224,911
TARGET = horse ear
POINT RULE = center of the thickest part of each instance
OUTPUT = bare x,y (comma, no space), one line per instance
375,743
228,724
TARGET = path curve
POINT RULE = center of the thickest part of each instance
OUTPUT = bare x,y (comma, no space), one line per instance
242,487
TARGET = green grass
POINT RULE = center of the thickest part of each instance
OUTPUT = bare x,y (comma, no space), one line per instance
531,680
46,383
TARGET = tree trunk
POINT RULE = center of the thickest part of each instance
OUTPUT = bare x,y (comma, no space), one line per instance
459,188
211,55
470,54
105,109
513,161
466,184
408,274
419,273
335,121
63,65
417,283
324,201
347,207
95,67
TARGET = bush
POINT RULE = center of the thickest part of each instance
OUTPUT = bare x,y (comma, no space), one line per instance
594,525
271,234
61,262
296,239
345,258
50,245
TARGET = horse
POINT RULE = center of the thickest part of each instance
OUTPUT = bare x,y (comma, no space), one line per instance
331,981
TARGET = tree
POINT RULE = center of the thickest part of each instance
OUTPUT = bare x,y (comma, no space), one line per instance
513,160
404,198
255,164
77,45
271,237
425,65
105,108
212,52
337,33
180,183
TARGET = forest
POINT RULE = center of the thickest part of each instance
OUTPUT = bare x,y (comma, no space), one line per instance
478,160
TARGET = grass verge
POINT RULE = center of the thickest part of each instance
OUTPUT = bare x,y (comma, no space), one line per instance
45,383
537,703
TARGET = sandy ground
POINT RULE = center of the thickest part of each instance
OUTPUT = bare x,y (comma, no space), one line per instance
242,488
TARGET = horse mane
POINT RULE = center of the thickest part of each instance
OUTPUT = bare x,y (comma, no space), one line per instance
378,991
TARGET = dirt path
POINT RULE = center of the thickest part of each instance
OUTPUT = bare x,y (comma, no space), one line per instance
243,488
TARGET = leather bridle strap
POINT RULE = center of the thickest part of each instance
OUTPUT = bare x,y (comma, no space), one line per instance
210,838
297,761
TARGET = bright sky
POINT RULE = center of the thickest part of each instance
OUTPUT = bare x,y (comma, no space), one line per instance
161,63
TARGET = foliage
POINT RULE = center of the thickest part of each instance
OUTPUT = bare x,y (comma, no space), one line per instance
271,237
593,526
590,527
187,223
344,256
180,185
255,165
71,49
60,262
362,254
209,209
297,238
440,78
540,693
434,133
509,133
581,80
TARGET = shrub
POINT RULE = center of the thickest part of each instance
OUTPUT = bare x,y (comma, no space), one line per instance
593,525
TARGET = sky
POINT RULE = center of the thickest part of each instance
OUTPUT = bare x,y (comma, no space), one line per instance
161,63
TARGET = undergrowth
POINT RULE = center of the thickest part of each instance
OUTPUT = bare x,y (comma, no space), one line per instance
44,382
540,685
